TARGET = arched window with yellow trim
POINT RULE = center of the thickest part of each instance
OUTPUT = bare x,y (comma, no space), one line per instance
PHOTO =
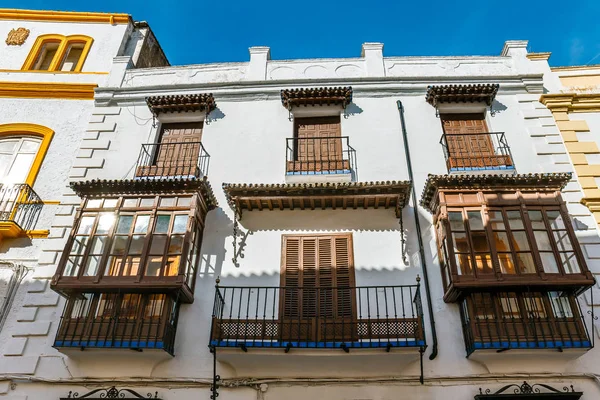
22,151
58,53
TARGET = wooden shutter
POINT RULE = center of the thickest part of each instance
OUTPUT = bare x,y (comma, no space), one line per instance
179,148
316,264
290,277
467,147
318,143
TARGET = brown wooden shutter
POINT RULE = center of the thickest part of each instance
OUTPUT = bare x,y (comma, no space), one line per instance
344,270
455,124
318,143
290,277
316,264
180,147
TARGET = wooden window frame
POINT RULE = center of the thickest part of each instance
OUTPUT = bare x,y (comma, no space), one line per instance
193,223
64,42
524,210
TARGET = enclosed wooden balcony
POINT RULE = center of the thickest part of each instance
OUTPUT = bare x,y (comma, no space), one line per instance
118,321
172,159
344,318
523,320
20,207
472,152
141,236
504,232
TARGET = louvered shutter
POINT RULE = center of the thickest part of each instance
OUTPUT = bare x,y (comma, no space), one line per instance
344,276
322,267
290,277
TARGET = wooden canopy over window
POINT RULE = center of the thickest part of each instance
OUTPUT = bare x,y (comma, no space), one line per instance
391,194
473,183
484,93
316,96
103,187
181,103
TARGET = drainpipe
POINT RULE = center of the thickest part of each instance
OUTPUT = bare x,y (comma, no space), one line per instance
434,349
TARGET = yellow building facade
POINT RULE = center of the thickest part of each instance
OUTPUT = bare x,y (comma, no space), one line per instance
576,109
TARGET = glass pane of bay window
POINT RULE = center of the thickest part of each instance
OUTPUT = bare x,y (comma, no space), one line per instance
514,219
496,220
549,262
526,263
569,263
180,223
562,240
475,220
555,219
456,221
162,223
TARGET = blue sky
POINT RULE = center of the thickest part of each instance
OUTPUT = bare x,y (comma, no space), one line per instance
204,31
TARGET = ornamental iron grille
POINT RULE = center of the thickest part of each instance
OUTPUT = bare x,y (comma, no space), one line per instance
111,393
537,391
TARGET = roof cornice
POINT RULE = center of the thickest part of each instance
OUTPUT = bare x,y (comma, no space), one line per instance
475,183
14,14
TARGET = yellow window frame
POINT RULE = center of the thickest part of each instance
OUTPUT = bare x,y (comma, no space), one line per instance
61,52
39,131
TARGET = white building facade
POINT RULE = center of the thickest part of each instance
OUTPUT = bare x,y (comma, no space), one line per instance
205,258
50,66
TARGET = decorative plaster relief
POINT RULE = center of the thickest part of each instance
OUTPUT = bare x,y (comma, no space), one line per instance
280,73
349,71
17,37
316,71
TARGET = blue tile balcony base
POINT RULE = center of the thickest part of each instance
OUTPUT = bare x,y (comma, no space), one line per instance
495,168
115,344
332,172
566,344
317,345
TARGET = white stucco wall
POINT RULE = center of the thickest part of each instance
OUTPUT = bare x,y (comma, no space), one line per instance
107,41
245,138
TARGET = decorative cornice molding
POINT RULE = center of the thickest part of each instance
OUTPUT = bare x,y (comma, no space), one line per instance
316,96
322,195
539,56
571,102
474,183
118,187
181,103
48,90
484,93
14,14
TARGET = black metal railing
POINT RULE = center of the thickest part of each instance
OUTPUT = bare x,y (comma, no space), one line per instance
523,320
20,204
323,155
477,151
334,317
114,320
174,159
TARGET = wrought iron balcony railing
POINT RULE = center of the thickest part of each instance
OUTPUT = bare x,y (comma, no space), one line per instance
174,159
319,156
20,204
118,321
530,320
477,152
335,317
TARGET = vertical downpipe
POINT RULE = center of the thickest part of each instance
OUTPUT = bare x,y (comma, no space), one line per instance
434,348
